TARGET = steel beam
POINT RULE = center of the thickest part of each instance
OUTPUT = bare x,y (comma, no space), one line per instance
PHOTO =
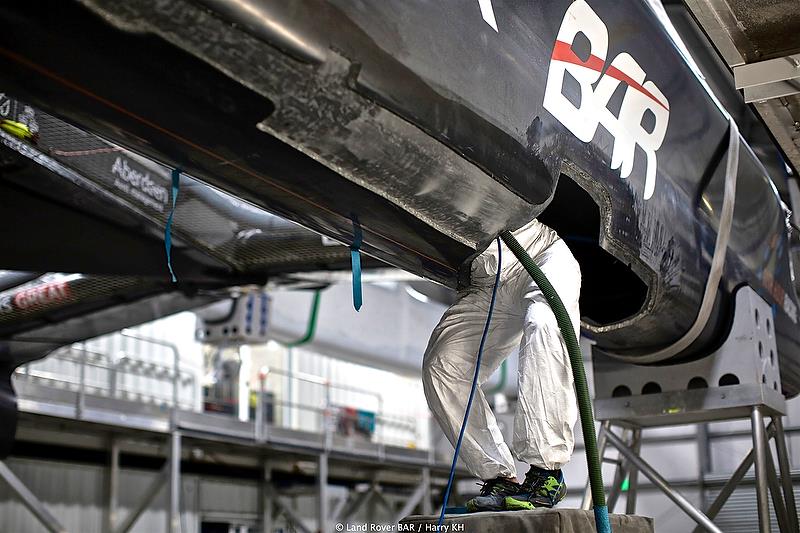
765,80
358,499
30,500
336,512
147,498
412,501
297,521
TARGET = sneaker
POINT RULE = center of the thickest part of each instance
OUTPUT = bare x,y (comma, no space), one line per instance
541,488
493,495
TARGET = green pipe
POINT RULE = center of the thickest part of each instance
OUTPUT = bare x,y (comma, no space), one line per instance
579,375
312,322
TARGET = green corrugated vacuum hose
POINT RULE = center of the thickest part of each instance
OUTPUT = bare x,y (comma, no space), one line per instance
579,375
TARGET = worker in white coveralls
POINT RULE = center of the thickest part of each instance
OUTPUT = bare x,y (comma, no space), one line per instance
546,408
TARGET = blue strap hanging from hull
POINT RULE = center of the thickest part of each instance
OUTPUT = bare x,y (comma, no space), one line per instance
355,263
176,185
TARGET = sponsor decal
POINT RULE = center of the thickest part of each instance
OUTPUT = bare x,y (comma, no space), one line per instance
644,112
139,184
39,295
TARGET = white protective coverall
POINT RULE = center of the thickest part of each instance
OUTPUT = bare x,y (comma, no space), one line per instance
546,407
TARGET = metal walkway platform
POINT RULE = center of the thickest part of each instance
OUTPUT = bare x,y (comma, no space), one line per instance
71,420
537,521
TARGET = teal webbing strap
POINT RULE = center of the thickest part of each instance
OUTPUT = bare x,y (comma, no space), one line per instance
355,263
176,185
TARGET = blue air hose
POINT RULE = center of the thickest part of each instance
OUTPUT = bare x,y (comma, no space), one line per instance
474,383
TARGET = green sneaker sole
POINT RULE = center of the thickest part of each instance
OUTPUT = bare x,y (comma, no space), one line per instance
513,504
518,505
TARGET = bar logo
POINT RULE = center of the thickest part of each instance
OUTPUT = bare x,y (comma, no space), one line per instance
644,112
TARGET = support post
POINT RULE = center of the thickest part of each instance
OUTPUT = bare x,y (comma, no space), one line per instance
327,421
266,498
30,500
113,486
260,415
322,492
80,400
427,503
586,503
620,472
785,471
174,512
760,449
778,502
704,462
633,475
372,500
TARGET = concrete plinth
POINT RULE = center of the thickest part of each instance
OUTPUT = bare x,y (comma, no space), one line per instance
536,521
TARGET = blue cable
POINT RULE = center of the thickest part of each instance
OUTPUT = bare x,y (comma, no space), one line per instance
474,382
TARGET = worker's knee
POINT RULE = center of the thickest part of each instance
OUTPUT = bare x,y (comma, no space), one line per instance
431,364
541,330
539,317
444,364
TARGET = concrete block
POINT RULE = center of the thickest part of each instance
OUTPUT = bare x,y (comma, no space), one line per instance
536,521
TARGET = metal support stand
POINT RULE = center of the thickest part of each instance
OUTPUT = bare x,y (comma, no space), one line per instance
30,500
740,380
